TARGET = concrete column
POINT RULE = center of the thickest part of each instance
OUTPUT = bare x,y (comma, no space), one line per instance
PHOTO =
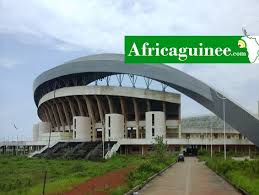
91,114
44,127
81,111
60,114
180,131
71,106
82,128
90,108
111,107
155,124
51,116
123,110
35,132
136,116
47,115
123,107
114,124
66,113
105,111
148,105
45,118
100,110
55,115
164,107
41,114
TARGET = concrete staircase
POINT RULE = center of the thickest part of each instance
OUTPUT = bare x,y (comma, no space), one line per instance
113,150
78,150
34,154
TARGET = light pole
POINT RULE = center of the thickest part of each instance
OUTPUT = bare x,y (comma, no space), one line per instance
206,139
211,137
223,98
16,139
46,171
103,138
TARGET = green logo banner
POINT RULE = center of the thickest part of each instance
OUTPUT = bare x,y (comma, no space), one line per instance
191,49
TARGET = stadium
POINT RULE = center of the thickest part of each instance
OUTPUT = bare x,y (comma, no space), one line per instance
92,107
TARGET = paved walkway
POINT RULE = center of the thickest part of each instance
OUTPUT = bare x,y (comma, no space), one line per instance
190,177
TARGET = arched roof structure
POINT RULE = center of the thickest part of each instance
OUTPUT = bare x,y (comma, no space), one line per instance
85,70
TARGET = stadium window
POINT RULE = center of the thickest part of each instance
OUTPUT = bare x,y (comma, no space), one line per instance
74,123
109,121
109,132
153,119
153,131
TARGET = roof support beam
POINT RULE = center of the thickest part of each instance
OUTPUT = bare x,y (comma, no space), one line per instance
81,111
51,115
91,114
89,108
148,105
71,107
136,116
61,117
47,115
111,107
99,105
123,111
66,113
55,115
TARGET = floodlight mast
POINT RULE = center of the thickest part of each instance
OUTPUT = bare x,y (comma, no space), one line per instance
223,98
46,171
211,137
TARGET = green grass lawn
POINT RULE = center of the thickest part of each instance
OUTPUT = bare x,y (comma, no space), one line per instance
149,166
21,175
243,174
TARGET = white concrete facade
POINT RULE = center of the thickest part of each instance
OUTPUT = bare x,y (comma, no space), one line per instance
114,127
82,128
44,128
111,90
155,124
55,136
134,116
35,132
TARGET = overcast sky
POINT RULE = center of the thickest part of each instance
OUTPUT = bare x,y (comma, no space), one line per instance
38,35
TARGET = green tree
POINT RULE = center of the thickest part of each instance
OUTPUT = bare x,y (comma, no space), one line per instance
160,148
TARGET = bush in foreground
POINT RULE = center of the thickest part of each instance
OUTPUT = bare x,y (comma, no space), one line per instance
154,163
242,174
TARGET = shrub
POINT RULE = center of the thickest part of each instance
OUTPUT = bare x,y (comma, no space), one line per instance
77,167
160,149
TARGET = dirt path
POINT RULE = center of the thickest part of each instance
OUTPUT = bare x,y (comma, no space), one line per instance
101,184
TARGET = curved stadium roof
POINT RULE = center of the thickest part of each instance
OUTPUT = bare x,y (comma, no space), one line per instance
85,70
